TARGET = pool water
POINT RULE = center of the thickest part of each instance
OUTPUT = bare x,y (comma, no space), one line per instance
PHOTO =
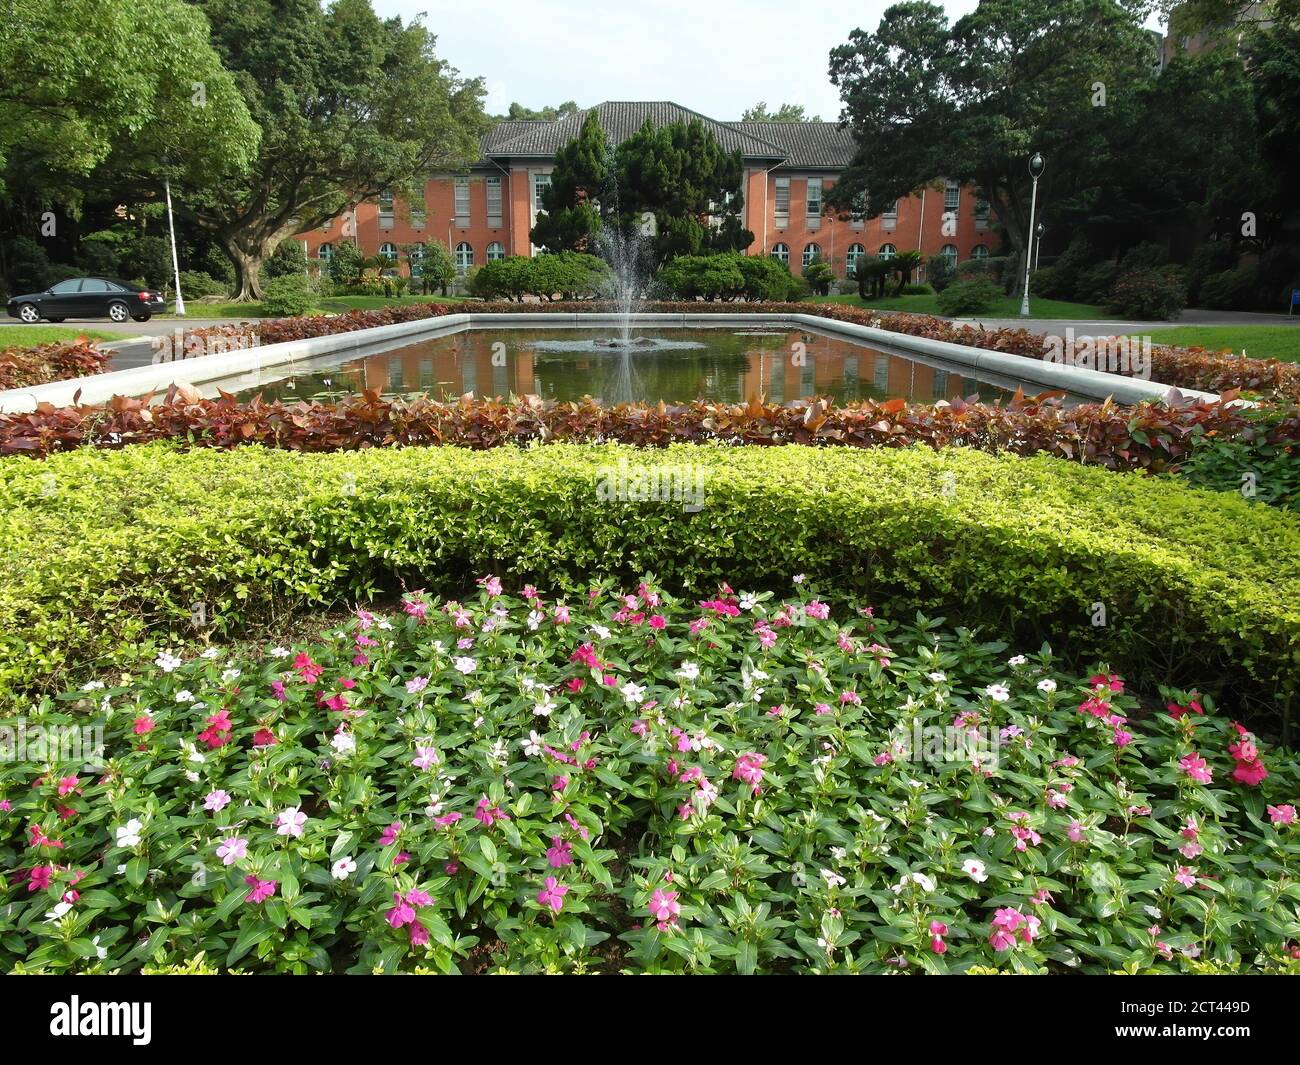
675,365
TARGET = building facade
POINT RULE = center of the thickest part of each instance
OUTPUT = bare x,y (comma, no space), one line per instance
486,212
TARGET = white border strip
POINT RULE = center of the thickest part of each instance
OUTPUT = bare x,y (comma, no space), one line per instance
205,369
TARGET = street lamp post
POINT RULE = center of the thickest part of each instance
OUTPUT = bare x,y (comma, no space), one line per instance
1038,246
1035,172
176,265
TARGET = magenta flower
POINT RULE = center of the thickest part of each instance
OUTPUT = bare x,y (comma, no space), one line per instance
389,834
559,853
664,907
552,894
1195,767
231,849
216,800
1282,815
261,889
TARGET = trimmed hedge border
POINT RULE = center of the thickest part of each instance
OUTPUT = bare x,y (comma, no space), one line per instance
103,550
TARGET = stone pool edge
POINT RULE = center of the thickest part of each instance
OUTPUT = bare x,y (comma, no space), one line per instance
157,377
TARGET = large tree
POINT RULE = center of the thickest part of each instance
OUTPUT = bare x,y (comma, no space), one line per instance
784,113
673,182
974,100
85,80
350,107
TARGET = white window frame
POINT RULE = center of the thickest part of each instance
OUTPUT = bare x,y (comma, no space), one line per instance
807,259
781,252
325,253
780,194
461,201
851,257
386,213
495,251
887,251
951,196
494,200
464,257
813,202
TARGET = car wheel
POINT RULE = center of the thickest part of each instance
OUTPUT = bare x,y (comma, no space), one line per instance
118,311
141,317
29,313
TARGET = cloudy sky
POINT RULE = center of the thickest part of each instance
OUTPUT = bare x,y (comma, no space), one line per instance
716,56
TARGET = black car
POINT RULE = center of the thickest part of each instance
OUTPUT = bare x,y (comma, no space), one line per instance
88,297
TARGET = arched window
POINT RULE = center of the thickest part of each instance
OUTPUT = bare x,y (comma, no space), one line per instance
417,257
496,250
980,251
887,251
325,252
851,257
464,257
949,252
781,253
388,251
811,252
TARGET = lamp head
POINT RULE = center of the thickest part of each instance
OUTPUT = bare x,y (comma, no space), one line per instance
1036,165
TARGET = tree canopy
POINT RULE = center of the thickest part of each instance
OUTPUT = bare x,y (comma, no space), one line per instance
784,113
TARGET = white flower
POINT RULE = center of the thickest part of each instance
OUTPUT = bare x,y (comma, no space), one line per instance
532,744
228,675
167,662
839,853
385,624
1017,660
101,952
748,600
601,631
545,708
974,869
280,652
128,835
289,822
535,618
1047,685
937,678
343,868
192,776
464,665
343,742
758,674
92,685
632,693
799,578
184,696
832,878
59,910
211,652
498,753
688,671
998,693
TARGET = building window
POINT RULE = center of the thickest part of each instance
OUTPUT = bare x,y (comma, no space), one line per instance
325,252
814,203
855,252
858,211
386,212
464,258
419,213
496,250
949,252
887,251
494,202
981,215
782,201
541,182
951,196
889,216
811,252
940,384
462,201
417,257
980,251
781,253
388,251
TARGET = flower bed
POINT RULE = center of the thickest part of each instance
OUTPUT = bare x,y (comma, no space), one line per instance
102,552
27,367
633,783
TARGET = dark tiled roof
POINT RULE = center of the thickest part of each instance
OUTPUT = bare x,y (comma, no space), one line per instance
805,144
620,119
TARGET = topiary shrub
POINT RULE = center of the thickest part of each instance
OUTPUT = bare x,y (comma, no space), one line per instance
940,271
974,296
1094,284
196,285
288,296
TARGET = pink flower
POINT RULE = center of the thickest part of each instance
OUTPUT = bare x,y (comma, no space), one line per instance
261,889
402,913
821,709
419,934
1195,767
1282,815
664,907
1250,773
818,610
264,737
1075,832
67,784
143,725
415,608
416,685
447,819
277,689
559,853
1177,712
938,928
1186,876
487,814
231,849
308,670
552,894
749,768
216,800
425,757
491,585
658,621
389,835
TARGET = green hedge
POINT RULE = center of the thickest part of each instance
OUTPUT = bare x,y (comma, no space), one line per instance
99,549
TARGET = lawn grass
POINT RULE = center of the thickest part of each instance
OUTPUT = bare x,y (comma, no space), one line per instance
328,305
1257,341
27,336
1007,307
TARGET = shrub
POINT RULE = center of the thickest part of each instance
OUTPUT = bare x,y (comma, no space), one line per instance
642,784
1049,283
997,268
709,277
940,271
916,290
290,258
1143,257
819,276
60,361
1261,461
197,285
1148,294
1094,284
506,278
767,280
99,550
974,296
288,295
1230,289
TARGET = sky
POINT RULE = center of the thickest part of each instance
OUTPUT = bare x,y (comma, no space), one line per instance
717,57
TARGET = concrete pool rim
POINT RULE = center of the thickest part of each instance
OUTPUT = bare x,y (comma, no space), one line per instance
205,369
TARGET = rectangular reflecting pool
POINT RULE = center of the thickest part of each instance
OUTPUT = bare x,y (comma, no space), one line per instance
675,365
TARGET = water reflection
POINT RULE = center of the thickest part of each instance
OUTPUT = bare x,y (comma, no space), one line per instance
724,365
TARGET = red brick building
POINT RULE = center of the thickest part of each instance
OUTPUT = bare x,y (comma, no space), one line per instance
487,212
